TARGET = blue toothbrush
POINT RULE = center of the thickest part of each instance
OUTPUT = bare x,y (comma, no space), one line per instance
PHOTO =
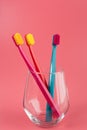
56,39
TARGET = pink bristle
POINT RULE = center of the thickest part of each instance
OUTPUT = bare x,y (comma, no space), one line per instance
56,39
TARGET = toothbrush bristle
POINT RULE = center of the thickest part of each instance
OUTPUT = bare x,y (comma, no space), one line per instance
56,39
30,39
18,39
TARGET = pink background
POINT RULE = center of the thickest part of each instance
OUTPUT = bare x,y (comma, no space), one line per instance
43,18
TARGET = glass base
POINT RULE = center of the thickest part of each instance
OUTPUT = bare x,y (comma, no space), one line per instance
40,120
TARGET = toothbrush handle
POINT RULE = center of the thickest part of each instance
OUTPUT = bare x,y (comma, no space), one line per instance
52,72
42,87
37,66
51,82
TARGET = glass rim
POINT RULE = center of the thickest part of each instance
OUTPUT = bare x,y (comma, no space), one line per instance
58,71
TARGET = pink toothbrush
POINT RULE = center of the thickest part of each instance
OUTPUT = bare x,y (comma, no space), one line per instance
19,41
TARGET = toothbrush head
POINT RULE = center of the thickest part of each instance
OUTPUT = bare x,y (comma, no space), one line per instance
18,39
56,39
30,39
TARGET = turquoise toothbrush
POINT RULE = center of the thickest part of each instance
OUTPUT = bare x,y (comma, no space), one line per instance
56,40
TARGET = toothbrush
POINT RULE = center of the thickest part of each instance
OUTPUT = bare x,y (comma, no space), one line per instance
19,41
56,40
30,41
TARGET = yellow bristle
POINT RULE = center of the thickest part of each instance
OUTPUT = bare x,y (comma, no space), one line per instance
18,39
30,39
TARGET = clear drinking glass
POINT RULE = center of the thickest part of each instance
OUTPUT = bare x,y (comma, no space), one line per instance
35,104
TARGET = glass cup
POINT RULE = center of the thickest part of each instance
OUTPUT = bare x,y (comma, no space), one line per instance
35,104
